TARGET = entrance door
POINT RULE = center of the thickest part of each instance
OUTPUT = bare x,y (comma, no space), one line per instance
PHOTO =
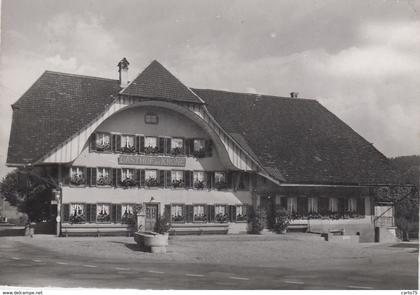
267,205
151,217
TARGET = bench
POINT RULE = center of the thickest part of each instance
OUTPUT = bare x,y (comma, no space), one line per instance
95,230
199,229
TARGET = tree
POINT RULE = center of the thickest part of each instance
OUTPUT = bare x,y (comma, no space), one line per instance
29,191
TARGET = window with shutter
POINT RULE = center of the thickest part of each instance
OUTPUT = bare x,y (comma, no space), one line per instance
187,179
66,175
92,142
161,178
118,214
168,182
168,146
88,211
93,177
66,212
232,213
103,142
142,178
137,143
142,144
199,213
117,143
210,180
361,206
241,213
178,213
210,209
190,213
114,212
188,146
92,213
302,206
103,213
88,176
161,145
209,148
167,212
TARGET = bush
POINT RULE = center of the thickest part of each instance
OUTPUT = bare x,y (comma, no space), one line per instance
256,221
282,221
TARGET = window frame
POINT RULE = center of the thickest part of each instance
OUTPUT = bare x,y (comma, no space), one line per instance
204,184
225,214
110,176
106,149
206,218
151,150
246,213
109,213
84,216
132,214
148,116
126,149
84,176
184,217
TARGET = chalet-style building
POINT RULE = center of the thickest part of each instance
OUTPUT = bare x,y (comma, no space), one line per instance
205,156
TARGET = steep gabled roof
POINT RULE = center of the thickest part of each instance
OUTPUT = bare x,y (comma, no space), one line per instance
295,140
298,139
158,83
55,107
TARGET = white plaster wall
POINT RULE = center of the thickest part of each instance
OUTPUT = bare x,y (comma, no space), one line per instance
131,121
160,195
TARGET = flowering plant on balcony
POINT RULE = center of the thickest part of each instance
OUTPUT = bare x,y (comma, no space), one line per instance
151,182
151,150
103,146
178,183
352,214
177,151
77,218
201,153
77,179
104,180
178,218
128,182
103,217
222,218
200,218
220,185
128,149
199,184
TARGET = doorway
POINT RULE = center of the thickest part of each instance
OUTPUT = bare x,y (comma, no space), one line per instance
151,217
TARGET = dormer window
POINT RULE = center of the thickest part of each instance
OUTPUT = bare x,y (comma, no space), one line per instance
150,145
103,142
151,118
127,144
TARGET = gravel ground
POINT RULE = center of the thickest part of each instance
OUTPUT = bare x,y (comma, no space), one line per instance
269,250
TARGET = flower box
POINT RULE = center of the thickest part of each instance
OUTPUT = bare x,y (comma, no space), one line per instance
151,182
103,218
178,218
75,219
177,183
103,147
128,149
77,180
105,180
199,154
199,184
200,218
151,150
128,182
221,185
177,151
222,218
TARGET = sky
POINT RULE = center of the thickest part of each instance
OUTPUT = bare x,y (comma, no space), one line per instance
359,58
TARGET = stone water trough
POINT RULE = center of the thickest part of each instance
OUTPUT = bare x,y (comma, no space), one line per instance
152,241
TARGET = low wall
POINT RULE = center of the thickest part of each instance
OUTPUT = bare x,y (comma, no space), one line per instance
359,226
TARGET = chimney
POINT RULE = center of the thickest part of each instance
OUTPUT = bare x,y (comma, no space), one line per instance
123,71
294,94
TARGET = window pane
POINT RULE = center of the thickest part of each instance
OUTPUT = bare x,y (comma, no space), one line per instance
198,144
177,143
127,141
198,176
177,175
150,142
219,177
151,174
77,209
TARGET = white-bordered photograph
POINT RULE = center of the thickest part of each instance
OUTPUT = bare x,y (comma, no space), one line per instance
209,145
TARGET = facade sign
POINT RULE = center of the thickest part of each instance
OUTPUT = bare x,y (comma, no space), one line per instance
151,160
